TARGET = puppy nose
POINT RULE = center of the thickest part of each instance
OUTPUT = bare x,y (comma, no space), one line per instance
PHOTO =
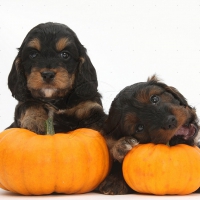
170,122
48,75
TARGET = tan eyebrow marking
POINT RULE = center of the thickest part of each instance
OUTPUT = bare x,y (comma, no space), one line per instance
35,43
62,43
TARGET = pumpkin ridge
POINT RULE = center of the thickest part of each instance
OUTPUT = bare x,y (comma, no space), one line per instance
25,146
102,156
5,134
86,169
23,167
105,154
35,142
171,173
95,146
137,184
148,159
63,175
56,185
188,152
14,134
188,180
163,153
178,150
54,163
78,137
3,156
192,170
49,185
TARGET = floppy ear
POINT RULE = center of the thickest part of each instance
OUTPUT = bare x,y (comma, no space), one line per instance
113,123
86,79
154,80
177,95
17,81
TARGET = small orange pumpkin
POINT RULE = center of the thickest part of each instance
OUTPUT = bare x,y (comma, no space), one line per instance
160,169
32,164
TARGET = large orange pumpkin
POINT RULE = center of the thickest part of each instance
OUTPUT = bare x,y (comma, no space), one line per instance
160,169
32,164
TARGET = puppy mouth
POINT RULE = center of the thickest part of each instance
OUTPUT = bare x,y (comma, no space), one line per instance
187,131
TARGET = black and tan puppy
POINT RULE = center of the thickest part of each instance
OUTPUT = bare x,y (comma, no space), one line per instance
53,75
142,113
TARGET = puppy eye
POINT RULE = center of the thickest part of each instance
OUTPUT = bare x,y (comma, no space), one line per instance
33,54
64,54
154,99
139,128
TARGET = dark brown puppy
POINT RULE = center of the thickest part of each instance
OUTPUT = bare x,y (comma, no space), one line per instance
141,113
52,75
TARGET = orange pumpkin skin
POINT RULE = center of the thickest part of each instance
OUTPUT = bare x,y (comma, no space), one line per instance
32,164
160,169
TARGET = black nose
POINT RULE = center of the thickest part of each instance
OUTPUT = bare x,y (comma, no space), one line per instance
48,75
170,122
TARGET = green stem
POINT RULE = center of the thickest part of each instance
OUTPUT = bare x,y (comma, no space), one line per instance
167,144
49,126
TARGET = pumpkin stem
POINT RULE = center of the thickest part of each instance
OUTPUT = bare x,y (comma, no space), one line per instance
167,144
49,126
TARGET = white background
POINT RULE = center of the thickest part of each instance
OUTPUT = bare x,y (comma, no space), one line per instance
127,41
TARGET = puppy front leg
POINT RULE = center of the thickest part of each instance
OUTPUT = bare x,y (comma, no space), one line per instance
114,183
122,146
32,116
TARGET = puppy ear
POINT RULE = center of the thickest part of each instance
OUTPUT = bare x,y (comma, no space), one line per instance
17,81
176,94
113,123
86,79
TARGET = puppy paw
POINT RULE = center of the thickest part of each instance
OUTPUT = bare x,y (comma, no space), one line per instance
31,125
122,147
32,117
113,185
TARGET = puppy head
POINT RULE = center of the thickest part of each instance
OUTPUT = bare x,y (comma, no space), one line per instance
50,63
152,112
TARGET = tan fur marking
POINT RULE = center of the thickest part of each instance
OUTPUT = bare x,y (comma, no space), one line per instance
144,94
181,114
82,109
59,87
161,136
82,60
35,43
62,43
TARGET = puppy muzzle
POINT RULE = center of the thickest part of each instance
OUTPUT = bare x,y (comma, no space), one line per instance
187,131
